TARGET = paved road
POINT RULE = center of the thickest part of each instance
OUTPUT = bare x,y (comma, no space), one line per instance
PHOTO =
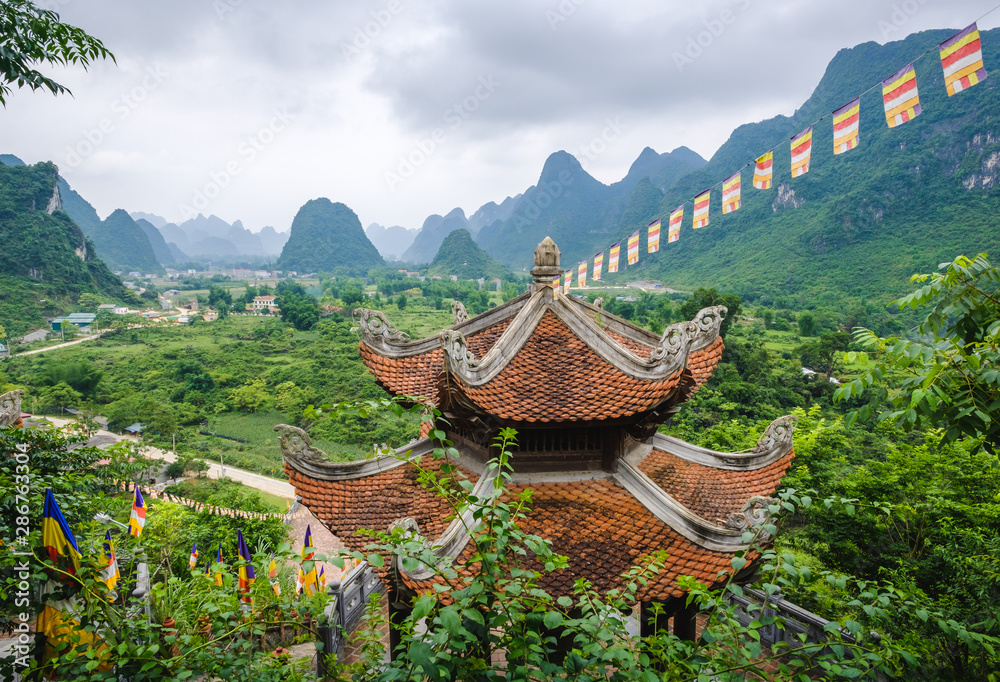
258,481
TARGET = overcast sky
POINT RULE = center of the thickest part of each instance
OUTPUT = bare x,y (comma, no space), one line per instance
403,108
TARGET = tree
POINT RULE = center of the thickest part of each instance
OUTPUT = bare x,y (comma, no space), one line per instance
401,302
950,376
29,36
89,301
61,395
81,375
826,354
250,397
706,298
807,324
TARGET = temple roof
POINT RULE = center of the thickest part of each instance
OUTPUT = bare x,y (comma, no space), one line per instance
668,495
545,360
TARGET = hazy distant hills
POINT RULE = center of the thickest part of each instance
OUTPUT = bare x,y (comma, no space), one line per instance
391,242
459,255
212,238
46,260
327,236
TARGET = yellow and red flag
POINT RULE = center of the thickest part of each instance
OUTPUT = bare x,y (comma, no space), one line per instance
272,576
633,248
962,60
110,574
701,203
613,259
674,224
567,281
763,171
899,96
556,287
193,559
802,152
307,580
731,193
845,126
137,520
598,265
581,274
246,572
218,566
653,236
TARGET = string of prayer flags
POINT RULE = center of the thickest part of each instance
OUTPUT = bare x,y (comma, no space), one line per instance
613,260
962,60
763,171
801,152
633,248
567,280
653,236
701,208
899,96
581,274
598,264
674,224
731,193
845,126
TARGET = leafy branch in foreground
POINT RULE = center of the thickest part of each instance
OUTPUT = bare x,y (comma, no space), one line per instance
30,35
950,376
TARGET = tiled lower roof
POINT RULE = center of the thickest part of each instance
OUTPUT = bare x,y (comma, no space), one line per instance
703,362
712,494
375,502
586,387
604,531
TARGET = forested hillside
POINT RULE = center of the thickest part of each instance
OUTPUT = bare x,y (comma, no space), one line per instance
46,261
460,256
325,236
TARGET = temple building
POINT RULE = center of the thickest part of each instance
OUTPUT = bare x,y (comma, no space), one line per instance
586,392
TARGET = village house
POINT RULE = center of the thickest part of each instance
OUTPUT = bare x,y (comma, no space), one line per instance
261,304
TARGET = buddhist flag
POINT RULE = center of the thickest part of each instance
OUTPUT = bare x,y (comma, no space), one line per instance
701,208
801,152
633,248
193,559
845,126
763,171
556,287
899,96
581,274
246,572
674,224
567,280
653,236
110,574
56,535
272,576
613,259
598,265
962,60
322,578
218,566
138,518
307,581
731,193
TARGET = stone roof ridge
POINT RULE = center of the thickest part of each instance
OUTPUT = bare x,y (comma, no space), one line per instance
772,446
456,536
702,532
667,359
378,334
298,451
709,321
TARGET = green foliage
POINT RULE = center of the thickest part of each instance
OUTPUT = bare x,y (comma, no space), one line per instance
950,377
705,298
250,397
826,354
30,36
82,375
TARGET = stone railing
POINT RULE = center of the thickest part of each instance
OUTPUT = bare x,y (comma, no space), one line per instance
796,619
345,611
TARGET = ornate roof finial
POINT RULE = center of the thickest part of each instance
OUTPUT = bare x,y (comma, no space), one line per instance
10,407
546,262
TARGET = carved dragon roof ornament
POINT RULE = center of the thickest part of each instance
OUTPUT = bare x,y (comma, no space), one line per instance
456,350
709,322
297,445
599,302
778,434
375,327
458,312
755,514
10,407
676,339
